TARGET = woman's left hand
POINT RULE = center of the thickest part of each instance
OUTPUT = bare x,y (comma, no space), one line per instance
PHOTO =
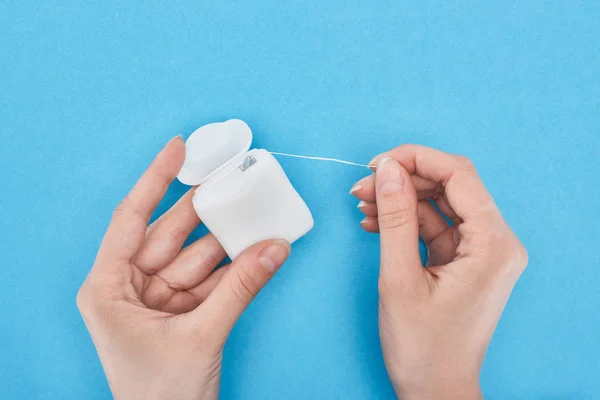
159,316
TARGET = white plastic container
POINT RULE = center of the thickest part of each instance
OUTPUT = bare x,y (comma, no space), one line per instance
244,196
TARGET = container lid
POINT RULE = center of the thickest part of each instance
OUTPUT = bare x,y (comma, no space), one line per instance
211,146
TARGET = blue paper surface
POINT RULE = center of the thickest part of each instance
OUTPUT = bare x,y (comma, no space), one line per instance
90,92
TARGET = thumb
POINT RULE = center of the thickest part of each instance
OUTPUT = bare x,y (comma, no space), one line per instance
398,224
245,277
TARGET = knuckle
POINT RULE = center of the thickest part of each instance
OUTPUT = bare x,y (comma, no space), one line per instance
86,300
395,213
524,255
393,221
177,235
509,253
159,173
518,257
121,208
409,147
127,207
465,163
209,259
82,299
245,285
94,298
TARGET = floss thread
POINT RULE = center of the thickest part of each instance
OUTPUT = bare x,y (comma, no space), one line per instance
320,159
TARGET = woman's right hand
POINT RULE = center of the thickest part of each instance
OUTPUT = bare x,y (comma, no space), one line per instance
436,323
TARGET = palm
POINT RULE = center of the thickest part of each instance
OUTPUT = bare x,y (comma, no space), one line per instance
165,277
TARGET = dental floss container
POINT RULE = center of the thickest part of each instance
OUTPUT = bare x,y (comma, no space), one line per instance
243,196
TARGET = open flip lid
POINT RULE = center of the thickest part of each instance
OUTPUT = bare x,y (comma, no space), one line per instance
211,146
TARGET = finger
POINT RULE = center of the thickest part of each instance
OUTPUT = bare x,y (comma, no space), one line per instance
441,201
159,296
127,229
166,235
205,288
437,235
370,224
398,224
193,264
464,189
365,188
187,300
442,250
369,209
246,276
433,229
431,223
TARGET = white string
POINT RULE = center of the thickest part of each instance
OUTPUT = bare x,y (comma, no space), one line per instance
320,159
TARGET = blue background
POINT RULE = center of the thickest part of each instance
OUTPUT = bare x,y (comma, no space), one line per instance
90,92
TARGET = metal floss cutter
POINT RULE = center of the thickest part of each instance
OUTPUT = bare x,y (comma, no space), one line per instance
244,196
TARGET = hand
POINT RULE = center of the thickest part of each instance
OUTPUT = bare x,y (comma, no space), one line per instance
159,317
435,323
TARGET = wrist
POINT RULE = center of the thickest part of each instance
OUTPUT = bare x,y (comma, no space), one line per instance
168,391
435,389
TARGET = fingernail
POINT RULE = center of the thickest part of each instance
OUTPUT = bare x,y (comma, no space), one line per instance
365,220
173,139
274,255
358,185
166,146
375,161
389,177
361,203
